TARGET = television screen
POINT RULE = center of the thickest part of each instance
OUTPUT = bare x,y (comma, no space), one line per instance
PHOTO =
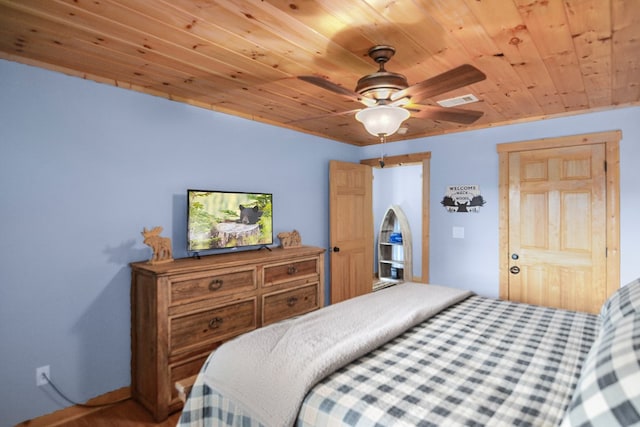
223,219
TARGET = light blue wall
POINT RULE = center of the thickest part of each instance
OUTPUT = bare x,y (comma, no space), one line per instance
83,168
471,158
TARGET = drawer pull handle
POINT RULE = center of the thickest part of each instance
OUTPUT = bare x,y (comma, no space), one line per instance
215,284
215,323
291,301
292,269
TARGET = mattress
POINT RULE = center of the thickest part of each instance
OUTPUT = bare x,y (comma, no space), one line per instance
479,362
482,362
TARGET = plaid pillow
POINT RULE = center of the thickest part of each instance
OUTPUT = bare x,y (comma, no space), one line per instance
623,302
608,391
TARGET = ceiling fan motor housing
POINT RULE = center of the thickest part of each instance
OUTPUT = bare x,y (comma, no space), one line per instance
381,84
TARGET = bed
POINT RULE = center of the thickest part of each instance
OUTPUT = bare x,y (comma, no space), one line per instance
428,355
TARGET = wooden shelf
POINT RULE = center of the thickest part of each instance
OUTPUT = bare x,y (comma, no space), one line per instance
394,258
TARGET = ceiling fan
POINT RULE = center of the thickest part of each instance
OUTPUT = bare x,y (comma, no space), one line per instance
389,100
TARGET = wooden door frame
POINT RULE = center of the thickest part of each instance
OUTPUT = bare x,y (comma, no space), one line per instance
423,159
611,140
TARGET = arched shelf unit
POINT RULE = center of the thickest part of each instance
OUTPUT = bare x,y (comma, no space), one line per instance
394,249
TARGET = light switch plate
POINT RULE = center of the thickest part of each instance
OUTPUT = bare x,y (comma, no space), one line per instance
458,232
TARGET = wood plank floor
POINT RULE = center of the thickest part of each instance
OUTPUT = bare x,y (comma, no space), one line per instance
126,414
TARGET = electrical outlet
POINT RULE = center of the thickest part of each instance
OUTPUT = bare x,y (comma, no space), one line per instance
41,379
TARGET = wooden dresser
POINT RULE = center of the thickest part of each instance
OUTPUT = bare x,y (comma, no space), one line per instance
184,309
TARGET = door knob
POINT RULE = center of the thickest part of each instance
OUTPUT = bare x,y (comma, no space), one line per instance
515,269
336,249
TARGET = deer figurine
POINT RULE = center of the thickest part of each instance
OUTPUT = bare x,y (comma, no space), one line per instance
161,246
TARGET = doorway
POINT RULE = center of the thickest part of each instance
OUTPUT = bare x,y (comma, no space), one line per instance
421,238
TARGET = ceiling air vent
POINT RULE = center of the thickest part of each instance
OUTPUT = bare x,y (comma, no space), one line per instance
458,100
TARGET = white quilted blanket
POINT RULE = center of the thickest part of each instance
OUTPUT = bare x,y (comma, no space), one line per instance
269,371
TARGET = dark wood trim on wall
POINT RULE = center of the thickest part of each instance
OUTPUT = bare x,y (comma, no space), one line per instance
401,160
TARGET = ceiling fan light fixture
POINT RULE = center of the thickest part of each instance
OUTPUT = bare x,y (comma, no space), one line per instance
382,119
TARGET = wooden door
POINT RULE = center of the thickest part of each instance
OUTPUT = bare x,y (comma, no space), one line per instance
559,216
351,230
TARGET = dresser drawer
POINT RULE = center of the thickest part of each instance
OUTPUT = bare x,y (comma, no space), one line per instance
184,370
281,305
206,327
211,284
279,273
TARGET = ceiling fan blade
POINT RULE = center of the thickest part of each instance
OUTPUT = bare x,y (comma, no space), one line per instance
328,85
322,116
456,115
449,80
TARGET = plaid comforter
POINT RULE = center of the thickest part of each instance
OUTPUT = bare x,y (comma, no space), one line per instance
480,362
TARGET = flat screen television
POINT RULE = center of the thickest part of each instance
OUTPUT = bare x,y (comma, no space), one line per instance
225,219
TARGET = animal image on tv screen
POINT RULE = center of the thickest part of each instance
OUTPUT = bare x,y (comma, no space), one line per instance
218,219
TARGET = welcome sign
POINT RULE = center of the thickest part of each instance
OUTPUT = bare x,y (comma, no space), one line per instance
463,198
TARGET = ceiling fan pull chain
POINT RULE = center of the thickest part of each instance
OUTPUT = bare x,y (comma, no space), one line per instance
383,139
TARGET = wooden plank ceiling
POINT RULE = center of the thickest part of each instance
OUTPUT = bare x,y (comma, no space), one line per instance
542,58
